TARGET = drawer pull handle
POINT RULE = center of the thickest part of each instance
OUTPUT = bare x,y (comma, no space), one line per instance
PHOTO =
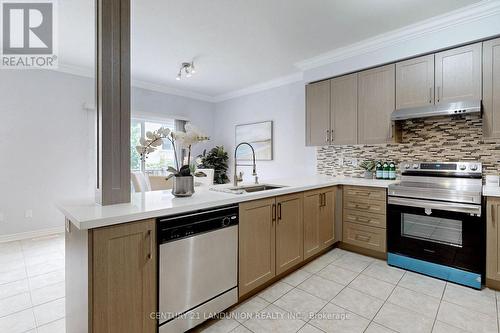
273,213
149,235
363,219
363,238
361,206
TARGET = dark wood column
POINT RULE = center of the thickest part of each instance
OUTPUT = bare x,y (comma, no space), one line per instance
113,101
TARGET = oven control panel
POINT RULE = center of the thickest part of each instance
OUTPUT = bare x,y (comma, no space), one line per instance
442,167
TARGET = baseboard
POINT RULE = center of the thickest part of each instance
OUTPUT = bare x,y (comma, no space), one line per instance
31,234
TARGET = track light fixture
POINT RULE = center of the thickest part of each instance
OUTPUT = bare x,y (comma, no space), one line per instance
187,68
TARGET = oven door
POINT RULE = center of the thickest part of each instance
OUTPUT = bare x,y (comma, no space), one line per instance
444,233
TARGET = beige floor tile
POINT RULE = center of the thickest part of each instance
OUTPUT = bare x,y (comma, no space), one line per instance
58,326
320,287
377,328
50,265
423,284
301,303
249,308
11,262
338,274
49,312
10,248
372,286
275,291
13,275
225,325
296,277
18,322
241,329
440,327
403,320
316,265
48,293
44,280
353,262
466,319
14,303
274,320
478,300
358,302
335,319
412,300
307,328
13,288
380,270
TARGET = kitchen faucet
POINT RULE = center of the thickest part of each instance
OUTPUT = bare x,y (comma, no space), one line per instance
237,178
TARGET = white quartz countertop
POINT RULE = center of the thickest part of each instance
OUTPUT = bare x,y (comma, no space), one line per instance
491,191
86,214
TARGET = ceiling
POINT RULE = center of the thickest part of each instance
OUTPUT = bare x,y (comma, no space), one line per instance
237,43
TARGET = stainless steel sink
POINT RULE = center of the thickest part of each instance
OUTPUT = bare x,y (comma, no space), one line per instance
255,188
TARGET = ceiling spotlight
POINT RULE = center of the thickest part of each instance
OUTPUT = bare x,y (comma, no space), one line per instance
187,68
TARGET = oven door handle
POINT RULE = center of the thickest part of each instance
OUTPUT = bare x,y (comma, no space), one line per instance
425,204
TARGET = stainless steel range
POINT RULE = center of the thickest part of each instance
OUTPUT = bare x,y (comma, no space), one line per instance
435,221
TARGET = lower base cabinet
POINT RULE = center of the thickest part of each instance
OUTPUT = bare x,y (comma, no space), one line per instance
493,242
270,239
319,220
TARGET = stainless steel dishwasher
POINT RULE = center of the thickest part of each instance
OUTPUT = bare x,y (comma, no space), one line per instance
198,267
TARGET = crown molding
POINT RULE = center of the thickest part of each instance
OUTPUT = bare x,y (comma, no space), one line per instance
278,82
459,16
89,73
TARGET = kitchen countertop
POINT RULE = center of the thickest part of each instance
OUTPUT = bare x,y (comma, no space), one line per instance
491,191
86,214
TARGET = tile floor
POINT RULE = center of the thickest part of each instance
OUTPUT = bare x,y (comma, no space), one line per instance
32,286
338,292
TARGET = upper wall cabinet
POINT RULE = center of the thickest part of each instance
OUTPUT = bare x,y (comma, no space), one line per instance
415,82
491,88
458,74
318,113
344,110
376,102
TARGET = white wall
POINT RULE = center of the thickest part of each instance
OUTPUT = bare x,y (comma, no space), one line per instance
283,105
47,144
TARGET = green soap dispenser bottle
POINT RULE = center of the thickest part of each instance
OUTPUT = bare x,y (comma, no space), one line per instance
379,170
392,170
385,171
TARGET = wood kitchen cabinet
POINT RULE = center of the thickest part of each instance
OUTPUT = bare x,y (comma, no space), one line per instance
458,74
344,110
491,89
289,232
415,82
124,290
376,102
319,220
318,113
270,239
493,242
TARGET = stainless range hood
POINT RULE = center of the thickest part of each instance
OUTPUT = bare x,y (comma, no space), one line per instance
444,109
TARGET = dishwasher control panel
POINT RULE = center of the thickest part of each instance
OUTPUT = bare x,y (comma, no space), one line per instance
176,227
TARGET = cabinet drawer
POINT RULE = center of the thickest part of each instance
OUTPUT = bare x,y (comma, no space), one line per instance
365,218
364,236
365,205
371,193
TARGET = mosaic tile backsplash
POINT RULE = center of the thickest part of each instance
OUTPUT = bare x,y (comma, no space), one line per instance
458,138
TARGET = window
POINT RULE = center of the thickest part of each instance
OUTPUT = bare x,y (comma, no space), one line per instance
157,162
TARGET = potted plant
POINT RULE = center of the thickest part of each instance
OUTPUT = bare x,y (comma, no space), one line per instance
217,159
369,167
183,181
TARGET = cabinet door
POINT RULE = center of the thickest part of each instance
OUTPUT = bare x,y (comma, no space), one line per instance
376,102
312,202
415,82
318,113
257,262
124,294
491,86
344,110
458,74
327,218
492,239
289,231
